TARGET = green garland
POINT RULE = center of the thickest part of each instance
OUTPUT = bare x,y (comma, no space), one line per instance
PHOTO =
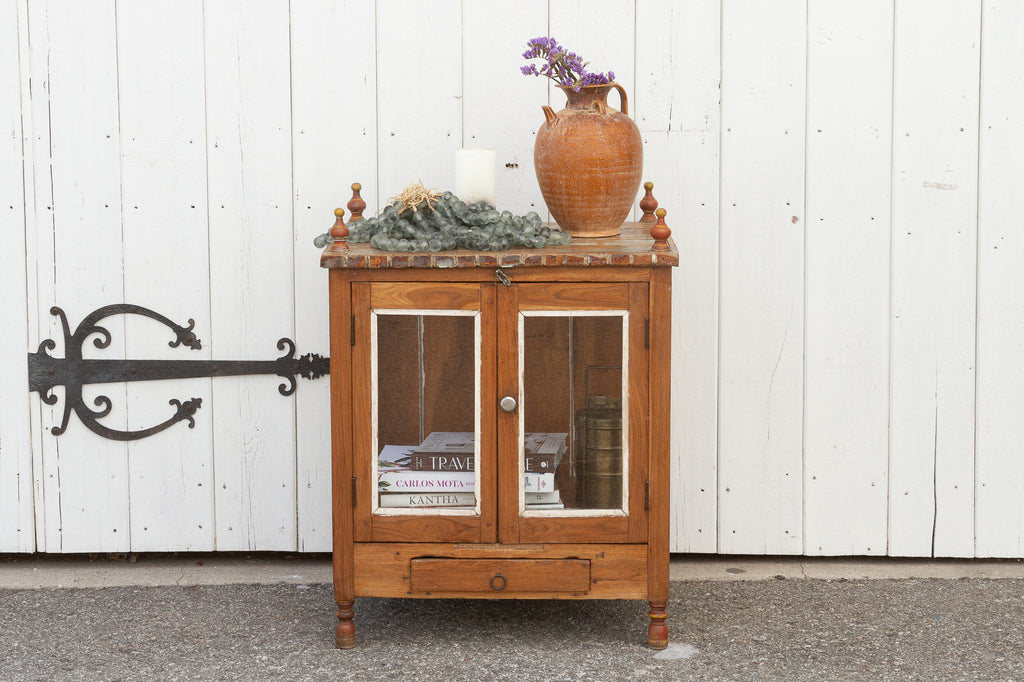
448,223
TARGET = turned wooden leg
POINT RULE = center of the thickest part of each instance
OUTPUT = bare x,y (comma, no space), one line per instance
345,630
657,631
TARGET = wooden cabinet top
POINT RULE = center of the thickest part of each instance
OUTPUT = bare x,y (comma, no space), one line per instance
632,247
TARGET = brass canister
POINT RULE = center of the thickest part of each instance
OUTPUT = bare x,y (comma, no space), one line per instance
599,452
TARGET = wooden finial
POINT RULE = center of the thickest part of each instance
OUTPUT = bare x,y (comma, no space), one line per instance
648,203
339,233
660,232
356,205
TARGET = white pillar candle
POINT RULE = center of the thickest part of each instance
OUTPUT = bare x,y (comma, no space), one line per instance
475,171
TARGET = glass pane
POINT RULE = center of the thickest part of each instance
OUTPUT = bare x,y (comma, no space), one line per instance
572,418
426,397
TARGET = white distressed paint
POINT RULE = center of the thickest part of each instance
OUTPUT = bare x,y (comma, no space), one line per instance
846,228
677,109
163,161
848,383
79,246
334,143
761,278
934,236
249,162
999,513
17,525
490,73
419,94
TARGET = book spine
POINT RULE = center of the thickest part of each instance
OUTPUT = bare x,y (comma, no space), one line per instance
538,483
425,481
541,464
442,462
413,500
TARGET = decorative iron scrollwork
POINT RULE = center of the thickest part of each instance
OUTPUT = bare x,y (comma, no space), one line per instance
73,371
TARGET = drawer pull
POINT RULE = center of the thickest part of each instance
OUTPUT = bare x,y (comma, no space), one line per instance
498,582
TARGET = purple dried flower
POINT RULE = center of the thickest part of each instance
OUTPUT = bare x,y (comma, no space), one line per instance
564,67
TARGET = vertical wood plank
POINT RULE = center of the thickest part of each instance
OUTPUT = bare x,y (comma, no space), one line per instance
79,247
605,37
999,515
501,108
676,106
935,164
166,265
17,528
251,259
419,90
849,114
334,136
761,305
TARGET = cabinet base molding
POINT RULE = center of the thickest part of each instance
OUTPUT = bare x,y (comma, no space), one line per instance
459,571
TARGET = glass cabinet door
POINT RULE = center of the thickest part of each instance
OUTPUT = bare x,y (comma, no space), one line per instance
425,390
575,445
580,454
419,379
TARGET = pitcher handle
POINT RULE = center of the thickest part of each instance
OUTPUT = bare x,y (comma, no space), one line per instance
622,99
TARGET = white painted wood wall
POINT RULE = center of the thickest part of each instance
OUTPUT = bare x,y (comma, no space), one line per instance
844,181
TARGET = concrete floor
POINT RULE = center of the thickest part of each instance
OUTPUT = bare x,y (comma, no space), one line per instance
259,618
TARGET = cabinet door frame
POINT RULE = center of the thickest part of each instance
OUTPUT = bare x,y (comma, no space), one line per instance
578,297
421,297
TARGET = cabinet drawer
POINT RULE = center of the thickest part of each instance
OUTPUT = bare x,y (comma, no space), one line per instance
504,576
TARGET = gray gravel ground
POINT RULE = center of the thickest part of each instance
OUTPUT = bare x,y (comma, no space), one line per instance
908,629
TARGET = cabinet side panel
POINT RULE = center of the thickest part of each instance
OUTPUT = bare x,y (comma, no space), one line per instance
660,433
341,434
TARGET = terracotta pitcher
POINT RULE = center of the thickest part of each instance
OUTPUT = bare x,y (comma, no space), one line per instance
589,160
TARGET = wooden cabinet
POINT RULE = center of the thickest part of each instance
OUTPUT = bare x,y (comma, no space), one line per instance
500,423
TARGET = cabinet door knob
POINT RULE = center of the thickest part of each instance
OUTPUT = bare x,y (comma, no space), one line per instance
508,403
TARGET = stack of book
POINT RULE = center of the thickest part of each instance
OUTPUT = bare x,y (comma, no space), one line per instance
542,453
401,485
440,471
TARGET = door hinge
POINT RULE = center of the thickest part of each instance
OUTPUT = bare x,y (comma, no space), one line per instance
73,373
352,328
647,333
647,496
353,492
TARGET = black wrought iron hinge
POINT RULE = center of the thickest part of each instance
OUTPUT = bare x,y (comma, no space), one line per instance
73,371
